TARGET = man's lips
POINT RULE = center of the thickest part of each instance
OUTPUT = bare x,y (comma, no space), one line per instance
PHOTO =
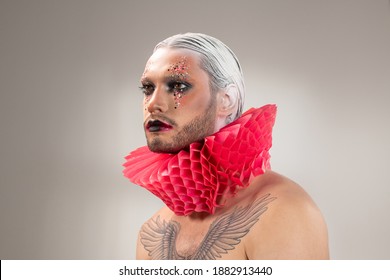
157,126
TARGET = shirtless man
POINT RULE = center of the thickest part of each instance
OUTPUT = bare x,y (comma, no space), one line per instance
193,93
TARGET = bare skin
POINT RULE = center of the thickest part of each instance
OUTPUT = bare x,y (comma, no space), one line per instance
273,218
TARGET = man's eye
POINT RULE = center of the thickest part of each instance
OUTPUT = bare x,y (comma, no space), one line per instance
147,89
178,87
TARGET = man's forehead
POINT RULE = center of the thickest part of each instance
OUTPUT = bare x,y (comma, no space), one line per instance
172,60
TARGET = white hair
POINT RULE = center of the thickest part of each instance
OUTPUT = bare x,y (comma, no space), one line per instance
217,59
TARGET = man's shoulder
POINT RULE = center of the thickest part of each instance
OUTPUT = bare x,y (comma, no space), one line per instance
292,226
163,213
274,185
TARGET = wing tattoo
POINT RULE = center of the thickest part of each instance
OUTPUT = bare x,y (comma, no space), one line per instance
227,231
159,237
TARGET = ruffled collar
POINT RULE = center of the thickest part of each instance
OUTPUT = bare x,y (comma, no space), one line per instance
195,179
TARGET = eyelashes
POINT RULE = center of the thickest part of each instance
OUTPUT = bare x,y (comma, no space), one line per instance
178,87
171,87
147,89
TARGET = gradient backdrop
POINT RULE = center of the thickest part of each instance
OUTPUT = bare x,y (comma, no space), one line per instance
70,110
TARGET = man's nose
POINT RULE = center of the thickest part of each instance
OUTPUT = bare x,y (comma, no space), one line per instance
158,102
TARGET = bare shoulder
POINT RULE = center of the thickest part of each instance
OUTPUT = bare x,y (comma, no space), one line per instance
291,227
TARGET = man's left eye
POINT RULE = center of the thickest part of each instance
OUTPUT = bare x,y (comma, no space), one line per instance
178,87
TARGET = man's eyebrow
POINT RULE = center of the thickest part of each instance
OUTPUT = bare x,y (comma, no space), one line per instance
167,78
145,80
176,77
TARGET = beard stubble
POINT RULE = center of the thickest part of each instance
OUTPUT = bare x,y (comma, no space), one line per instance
196,130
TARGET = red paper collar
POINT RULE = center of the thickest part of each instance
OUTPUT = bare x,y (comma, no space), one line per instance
223,163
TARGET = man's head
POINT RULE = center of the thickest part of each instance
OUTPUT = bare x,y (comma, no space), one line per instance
193,86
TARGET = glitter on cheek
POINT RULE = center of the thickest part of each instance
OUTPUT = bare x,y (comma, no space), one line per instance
146,102
177,95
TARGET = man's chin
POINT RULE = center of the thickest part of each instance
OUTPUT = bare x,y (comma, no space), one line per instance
164,148
164,151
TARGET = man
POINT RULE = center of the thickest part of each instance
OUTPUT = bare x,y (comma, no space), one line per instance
210,164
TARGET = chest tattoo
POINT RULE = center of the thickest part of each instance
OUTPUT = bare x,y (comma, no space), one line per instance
159,236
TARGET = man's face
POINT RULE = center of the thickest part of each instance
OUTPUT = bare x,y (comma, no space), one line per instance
179,106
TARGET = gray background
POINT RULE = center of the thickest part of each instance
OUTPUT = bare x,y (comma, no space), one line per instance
70,111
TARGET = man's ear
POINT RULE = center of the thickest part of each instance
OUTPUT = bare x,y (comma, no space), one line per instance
227,101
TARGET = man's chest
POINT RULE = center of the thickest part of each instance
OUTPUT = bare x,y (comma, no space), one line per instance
173,240
223,235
